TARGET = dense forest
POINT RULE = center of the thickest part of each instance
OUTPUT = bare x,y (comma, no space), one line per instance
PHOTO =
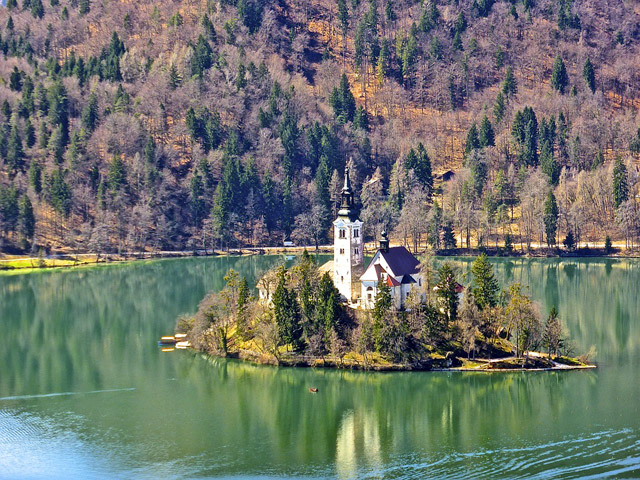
128,126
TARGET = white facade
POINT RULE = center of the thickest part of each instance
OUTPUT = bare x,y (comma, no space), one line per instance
400,283
348,256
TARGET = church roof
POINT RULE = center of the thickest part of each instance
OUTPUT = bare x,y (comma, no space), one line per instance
401,262
396,262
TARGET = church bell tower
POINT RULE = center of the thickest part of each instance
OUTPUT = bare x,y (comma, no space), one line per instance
348,255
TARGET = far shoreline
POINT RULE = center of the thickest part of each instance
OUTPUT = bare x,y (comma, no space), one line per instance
62,261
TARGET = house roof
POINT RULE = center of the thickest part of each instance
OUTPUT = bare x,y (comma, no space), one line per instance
392,282
408,279
401,262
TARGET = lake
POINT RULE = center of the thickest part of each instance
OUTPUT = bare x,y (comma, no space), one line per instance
86,393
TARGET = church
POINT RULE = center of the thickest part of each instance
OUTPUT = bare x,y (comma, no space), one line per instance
395,266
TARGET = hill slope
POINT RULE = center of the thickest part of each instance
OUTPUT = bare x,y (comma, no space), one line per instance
129,125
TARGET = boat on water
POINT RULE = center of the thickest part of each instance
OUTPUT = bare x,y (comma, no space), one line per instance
167,340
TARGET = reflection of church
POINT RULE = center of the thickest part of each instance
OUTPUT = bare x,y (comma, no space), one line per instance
395,266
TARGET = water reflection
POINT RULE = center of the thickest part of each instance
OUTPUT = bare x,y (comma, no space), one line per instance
183,414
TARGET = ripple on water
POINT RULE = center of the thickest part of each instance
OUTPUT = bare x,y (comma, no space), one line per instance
605,454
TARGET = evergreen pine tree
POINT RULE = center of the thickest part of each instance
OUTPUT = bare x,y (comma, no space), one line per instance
589,74
620,183
117,174
60,193
487,288
447,291
509,86
487,136
29,134
499,107
15,152
381,309
559,76
552,332
174,77
242,314
473,139
550,218
37,9
35,176
27,218
90,113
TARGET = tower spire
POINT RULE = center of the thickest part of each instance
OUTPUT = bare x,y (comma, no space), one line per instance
347,207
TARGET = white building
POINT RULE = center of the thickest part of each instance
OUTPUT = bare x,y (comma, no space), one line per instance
396,267
348,255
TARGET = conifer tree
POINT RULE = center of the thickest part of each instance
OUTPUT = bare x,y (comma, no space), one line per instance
550,218
15,152
27,218
174,77
15,79
90,113
117,174
509,86
559,76
487,288
242,319
552,332
60,193
620,183
589,74
37,9
381,309
29,134
499,107
446,291
473,139
487,135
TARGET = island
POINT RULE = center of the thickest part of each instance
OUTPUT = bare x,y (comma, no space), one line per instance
300,319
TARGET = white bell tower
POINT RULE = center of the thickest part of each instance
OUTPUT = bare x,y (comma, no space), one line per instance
348,255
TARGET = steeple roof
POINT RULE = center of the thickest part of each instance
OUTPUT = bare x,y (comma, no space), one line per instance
347,203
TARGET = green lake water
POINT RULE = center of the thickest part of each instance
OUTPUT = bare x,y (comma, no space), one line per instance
86,393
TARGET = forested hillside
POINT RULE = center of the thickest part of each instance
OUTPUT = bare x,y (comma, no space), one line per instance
186,124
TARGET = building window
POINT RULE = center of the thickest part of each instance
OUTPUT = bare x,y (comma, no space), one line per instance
342,251
369,296
341,279
357,252
342,233
356,233
419,282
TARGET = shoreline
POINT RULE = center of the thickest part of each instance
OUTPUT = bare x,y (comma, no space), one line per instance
431,365
25,263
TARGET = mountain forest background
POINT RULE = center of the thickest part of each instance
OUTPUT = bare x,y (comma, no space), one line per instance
136,125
